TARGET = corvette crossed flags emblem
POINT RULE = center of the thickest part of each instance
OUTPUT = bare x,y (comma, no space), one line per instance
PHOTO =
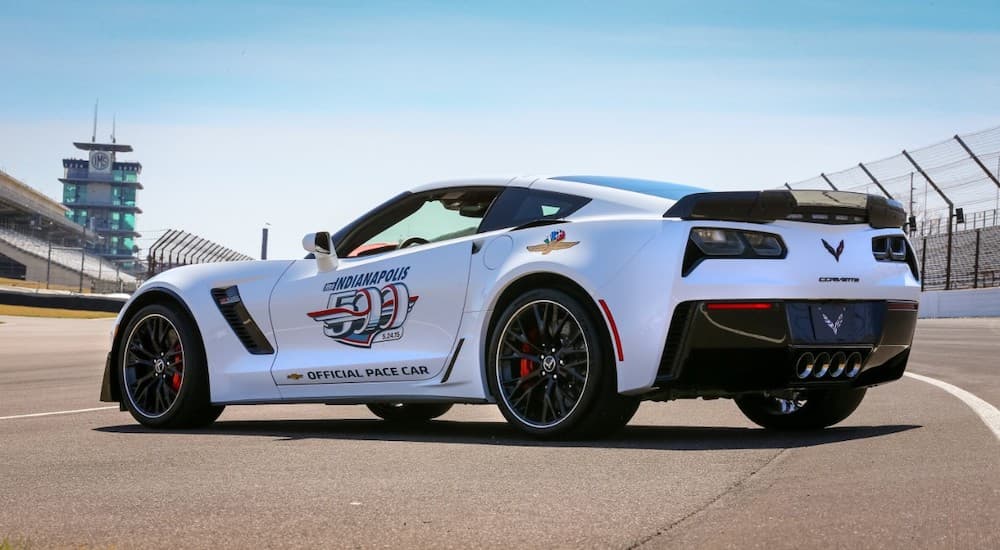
834,252
834,325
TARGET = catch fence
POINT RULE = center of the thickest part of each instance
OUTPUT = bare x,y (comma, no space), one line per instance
951,192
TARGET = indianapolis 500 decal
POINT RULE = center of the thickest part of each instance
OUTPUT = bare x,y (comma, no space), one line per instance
370,314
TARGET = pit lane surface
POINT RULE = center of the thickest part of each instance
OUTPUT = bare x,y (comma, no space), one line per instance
914,466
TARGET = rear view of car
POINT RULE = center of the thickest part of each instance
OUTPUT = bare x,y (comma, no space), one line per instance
791,302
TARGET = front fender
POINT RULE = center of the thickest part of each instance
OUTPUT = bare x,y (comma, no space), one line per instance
234,373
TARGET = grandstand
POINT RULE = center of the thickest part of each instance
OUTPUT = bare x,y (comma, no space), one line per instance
951,191
38,243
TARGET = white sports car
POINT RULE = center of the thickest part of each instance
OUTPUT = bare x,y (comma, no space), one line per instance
563,300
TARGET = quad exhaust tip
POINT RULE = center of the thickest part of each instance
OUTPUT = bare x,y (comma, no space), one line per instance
804,366
839,362
825,365
854,364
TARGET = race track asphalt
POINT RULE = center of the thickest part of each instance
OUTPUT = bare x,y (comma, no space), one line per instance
913,467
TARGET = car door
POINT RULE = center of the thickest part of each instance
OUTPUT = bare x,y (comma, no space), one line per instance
390,310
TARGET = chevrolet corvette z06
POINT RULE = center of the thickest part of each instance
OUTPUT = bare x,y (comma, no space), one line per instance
565,301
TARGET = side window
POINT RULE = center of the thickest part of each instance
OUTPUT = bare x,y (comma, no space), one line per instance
419,219
519,205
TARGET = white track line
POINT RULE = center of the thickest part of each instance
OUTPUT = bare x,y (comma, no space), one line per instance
988,413
54,413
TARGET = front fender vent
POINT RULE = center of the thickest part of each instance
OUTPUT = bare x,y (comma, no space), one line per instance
239,319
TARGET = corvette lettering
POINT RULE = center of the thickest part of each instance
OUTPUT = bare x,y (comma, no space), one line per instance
363,316
839,280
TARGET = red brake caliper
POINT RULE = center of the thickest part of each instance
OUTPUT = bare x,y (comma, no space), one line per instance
175,381
525,363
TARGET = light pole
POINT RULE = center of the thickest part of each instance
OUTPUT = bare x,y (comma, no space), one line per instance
263,241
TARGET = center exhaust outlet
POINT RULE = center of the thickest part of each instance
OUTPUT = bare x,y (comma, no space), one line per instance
839,362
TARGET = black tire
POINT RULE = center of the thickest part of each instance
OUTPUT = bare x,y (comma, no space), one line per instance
555,335
408,413
821,408
161,352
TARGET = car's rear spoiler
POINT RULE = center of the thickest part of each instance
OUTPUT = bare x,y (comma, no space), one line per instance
831,207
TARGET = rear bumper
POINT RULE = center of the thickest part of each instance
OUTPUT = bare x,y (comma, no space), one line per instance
724,352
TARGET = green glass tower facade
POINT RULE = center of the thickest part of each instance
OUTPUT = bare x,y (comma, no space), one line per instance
100,192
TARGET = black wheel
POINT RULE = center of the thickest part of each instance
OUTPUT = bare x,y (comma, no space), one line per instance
811,410
162,376
409,413
550,370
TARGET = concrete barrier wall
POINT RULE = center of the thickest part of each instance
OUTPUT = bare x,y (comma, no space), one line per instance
62,301
981,302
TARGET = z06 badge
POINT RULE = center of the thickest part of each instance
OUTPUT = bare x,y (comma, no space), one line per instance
364,316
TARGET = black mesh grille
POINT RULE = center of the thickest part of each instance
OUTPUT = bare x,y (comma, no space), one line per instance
236,315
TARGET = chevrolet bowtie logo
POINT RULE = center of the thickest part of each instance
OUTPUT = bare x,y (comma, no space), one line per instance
834,252
294,376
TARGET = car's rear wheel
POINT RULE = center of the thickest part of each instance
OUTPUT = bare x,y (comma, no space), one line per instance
408,413
810,410
550,370
162,372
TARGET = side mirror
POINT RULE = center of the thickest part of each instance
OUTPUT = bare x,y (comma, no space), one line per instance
322,248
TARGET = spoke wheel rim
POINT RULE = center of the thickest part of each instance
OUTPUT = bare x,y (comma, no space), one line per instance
153,365
542,364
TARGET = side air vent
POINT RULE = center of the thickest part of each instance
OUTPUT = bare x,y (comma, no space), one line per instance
239,319
675,340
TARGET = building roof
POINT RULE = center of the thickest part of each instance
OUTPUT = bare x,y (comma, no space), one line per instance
116,147
24,198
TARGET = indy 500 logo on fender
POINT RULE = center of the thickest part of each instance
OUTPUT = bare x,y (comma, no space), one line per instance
363,316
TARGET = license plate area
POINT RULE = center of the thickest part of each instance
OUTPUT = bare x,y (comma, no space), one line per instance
835,322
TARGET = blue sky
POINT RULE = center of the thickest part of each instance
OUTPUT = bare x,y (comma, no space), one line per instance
279,104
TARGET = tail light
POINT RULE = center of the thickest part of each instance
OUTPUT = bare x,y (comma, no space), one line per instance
895,248
715,242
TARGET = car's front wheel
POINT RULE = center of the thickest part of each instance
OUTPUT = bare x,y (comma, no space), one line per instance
550,370
408,413
162,371
810,410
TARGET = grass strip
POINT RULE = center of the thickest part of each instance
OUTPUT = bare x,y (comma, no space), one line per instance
26,311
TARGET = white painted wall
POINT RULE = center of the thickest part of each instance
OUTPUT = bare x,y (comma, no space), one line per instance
980,302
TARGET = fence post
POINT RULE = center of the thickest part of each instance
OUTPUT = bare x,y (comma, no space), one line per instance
975,265
48,265
877,183
951,214
979,162
923,264
828,182
83,257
